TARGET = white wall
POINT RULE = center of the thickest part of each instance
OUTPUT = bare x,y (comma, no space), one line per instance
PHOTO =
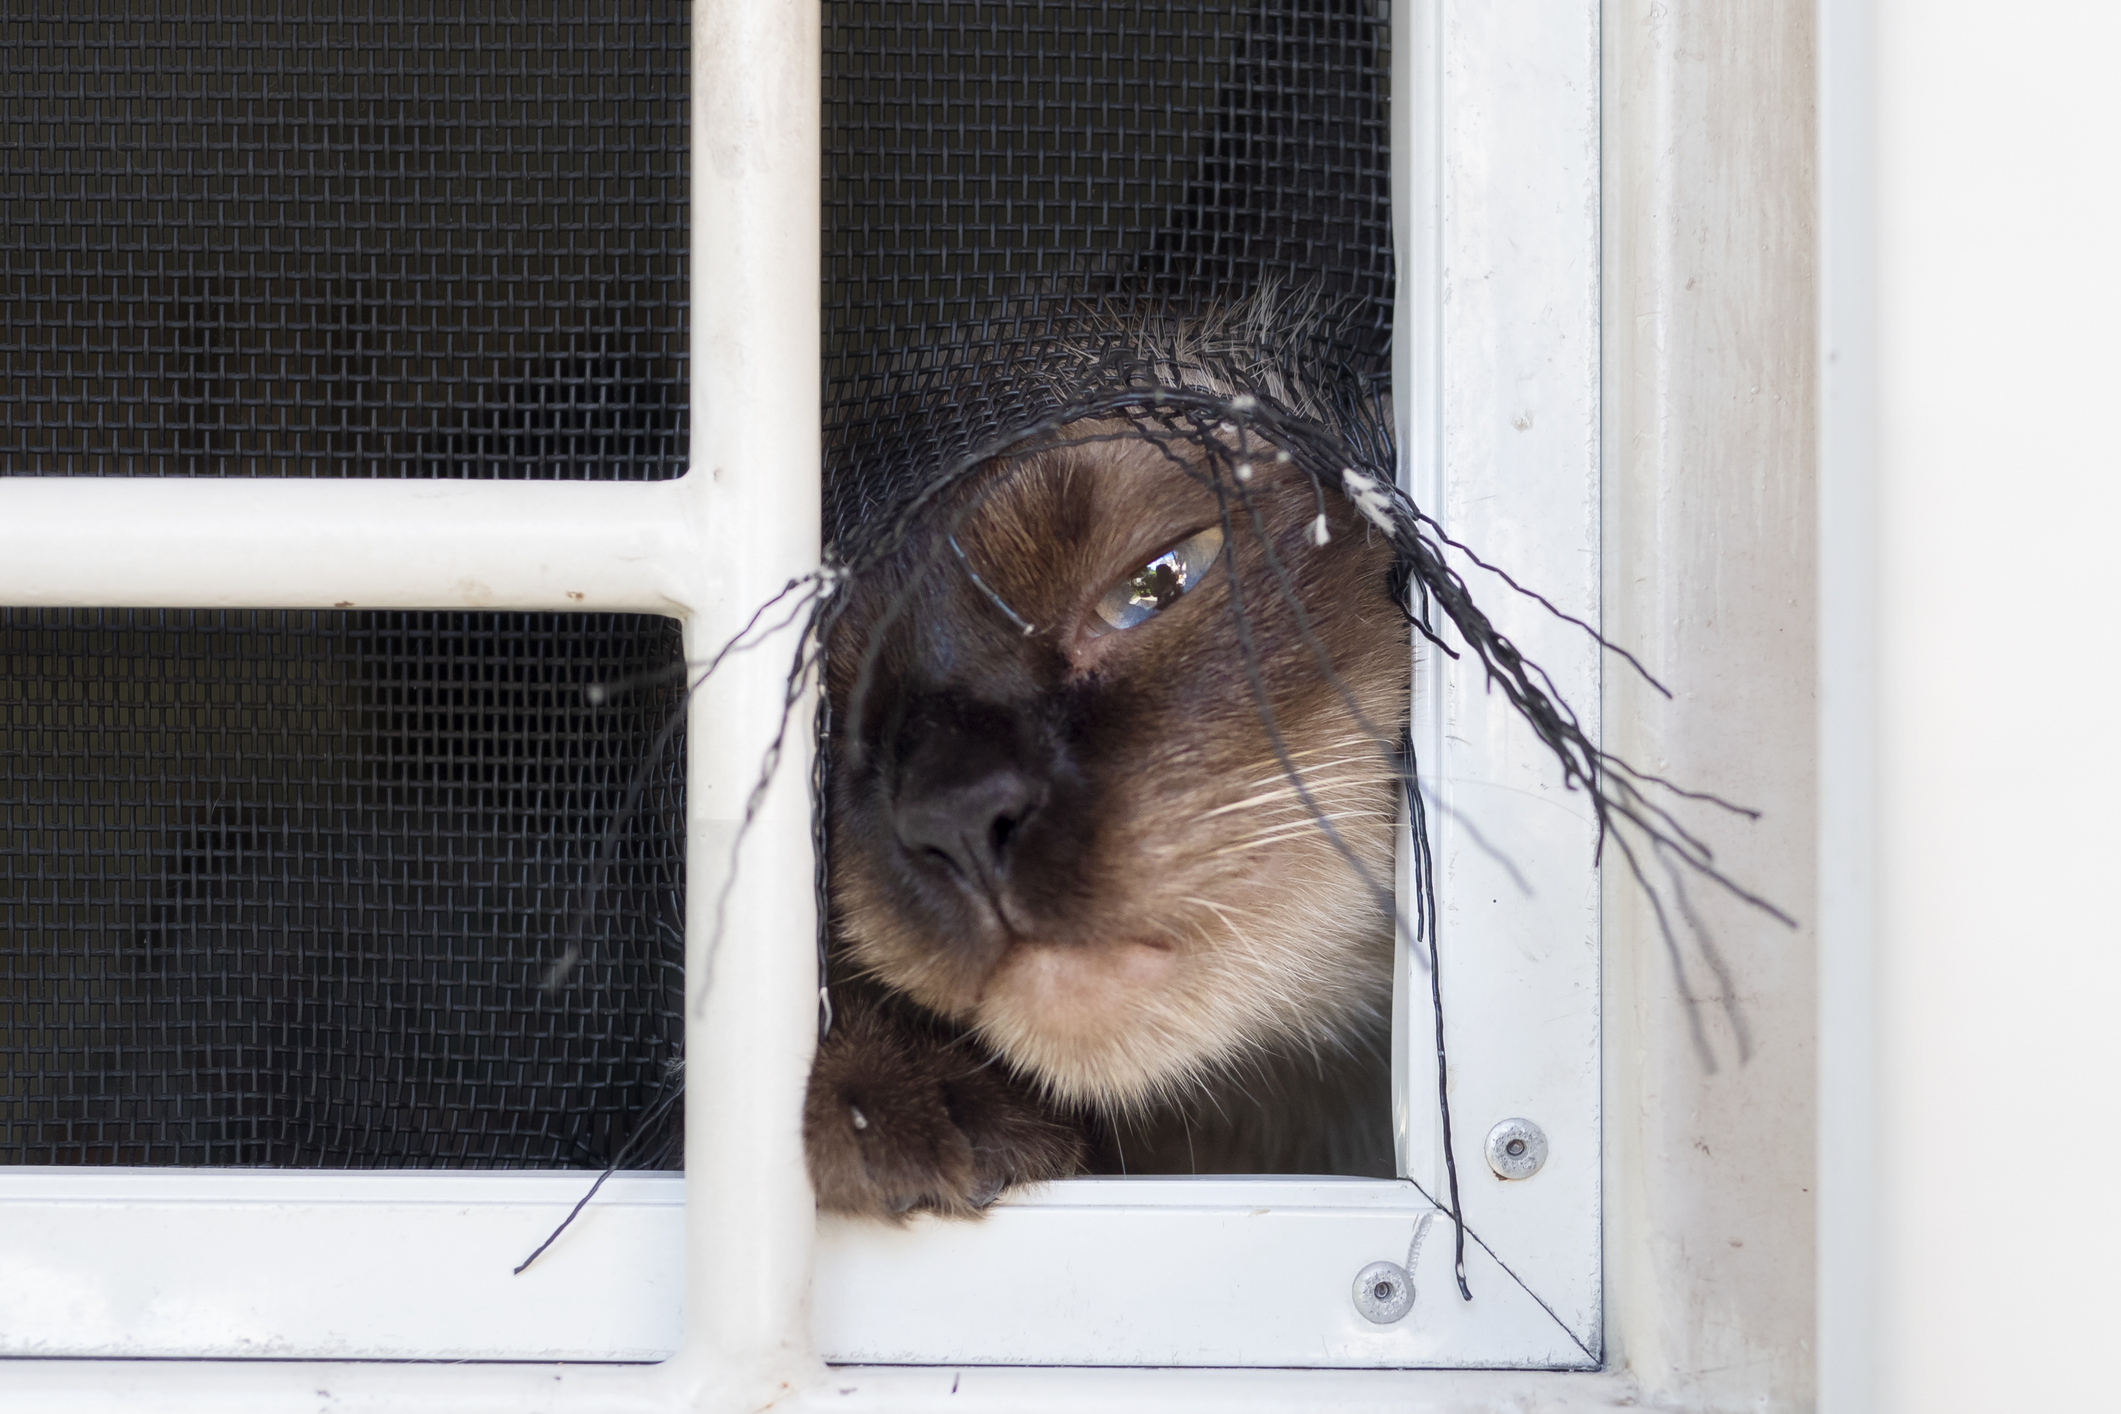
1974,293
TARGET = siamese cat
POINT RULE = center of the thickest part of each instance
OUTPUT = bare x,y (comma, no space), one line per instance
1112,786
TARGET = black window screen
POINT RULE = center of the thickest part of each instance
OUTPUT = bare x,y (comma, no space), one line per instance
287,888
284,888
996,171
425,238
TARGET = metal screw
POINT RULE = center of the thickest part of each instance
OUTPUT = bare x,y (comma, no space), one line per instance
1383,1292
1516,1148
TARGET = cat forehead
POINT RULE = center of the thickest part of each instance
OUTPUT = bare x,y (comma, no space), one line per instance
1096,478
1112,486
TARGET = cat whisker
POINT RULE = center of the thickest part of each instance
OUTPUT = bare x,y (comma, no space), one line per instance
1369,761
1377,749
1291,976
1276,834
1314,788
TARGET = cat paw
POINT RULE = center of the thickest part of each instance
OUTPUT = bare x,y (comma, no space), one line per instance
898,1121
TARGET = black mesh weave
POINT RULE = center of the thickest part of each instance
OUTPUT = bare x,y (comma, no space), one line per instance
999,176
283,888
394,238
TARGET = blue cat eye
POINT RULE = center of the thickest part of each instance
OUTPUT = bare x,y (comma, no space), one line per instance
1157,585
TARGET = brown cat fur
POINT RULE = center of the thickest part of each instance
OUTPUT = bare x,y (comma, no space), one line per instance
1082,916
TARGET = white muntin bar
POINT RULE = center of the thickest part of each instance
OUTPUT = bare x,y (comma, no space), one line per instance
752,1003
293,543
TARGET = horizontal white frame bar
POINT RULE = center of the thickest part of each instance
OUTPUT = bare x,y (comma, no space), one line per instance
887,1390
1171,1272
261,1264
144,1263
301,1387
146,542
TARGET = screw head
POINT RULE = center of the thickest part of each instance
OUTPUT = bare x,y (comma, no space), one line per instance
1516,1148
1383,1292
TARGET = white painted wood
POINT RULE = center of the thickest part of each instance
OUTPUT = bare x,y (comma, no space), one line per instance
1169,1272
751,975
236,1264
300,1387
190,1263
885,1390
149,542
1708,484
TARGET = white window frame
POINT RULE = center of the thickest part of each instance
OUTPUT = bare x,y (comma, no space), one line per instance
1496,140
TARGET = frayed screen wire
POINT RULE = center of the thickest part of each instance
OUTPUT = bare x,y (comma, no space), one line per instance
1336,439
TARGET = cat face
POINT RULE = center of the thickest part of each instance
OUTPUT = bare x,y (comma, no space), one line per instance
1059,815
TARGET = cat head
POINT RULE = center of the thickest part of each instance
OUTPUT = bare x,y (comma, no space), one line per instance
1113,773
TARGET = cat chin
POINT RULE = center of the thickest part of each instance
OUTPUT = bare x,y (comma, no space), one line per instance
1123,1027
1093,1023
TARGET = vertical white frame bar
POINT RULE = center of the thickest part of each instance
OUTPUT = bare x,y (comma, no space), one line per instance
751,962
1500,442
1847,708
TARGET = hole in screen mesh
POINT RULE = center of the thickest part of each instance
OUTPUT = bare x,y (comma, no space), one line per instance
344,238
281,888
1006,181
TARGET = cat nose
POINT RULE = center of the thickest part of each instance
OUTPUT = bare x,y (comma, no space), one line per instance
970,818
